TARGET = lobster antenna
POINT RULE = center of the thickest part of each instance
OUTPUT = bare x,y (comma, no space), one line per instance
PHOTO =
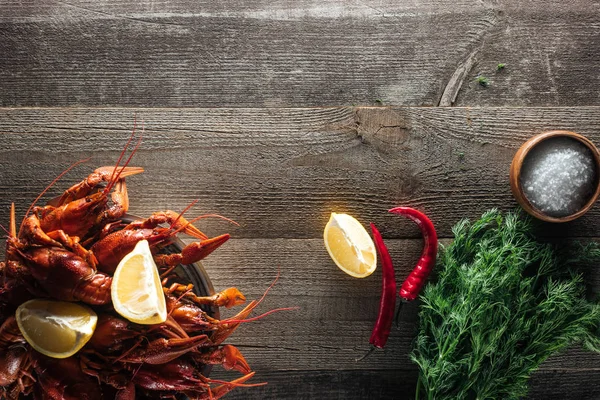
166,273
178,300
183,212
270,287
4,229
125,148
216,216
234,321
202,217
238,321
50,185
234,384
13,224
112,182
136,371
126,353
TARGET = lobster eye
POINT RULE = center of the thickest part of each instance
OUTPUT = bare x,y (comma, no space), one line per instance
87,199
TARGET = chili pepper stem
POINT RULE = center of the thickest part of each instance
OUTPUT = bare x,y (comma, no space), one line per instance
397,316
367,354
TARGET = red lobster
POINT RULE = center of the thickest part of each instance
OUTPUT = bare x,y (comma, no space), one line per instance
40,243
15,363
108,251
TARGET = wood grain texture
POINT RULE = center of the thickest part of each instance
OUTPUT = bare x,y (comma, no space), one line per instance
310,353
304,53
334,384
336,313
280,172
399,385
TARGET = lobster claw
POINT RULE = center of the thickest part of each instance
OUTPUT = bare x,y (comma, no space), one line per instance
229,297
232,358
228,356
196,251
191,253
161,351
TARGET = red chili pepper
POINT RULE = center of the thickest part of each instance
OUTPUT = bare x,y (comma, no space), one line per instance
387,304
416,279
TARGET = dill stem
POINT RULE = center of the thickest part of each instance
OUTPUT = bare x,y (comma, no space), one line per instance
430,395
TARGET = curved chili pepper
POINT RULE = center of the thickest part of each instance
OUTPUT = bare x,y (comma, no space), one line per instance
416,279
387,304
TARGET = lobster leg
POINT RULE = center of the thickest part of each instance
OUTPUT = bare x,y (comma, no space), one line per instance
72,243
191,253
31,233
64,379
110,228
177,221
99,371
227,298
25,381
177,375
222,390
10,334
161,351
120,202
226,328
189,316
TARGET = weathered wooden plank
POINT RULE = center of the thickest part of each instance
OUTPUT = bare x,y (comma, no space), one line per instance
400,385
280,172
301,53
565,384
336,312
332,384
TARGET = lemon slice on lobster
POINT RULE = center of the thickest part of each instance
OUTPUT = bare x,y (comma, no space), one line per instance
350,246
55,328
136,290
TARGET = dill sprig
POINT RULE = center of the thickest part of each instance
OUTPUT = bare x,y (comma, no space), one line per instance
502,303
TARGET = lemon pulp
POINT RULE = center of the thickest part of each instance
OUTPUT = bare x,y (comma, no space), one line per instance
136,289
350,245
57,329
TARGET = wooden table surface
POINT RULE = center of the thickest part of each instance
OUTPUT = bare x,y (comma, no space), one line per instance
277,113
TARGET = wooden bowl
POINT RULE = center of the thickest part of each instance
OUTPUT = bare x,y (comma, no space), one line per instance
517,163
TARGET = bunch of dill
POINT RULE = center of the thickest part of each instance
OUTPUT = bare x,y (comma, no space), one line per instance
501,304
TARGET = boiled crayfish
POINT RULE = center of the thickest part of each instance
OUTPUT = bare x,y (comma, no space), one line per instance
68,250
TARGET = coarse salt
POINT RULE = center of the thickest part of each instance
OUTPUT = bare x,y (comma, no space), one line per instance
558,176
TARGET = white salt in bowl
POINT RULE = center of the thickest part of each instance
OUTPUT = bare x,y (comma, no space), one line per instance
555,176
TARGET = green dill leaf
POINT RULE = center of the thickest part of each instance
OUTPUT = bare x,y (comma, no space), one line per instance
483,81
500,305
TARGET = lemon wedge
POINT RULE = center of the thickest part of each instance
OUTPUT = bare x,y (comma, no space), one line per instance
350,246
55,328
136,290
